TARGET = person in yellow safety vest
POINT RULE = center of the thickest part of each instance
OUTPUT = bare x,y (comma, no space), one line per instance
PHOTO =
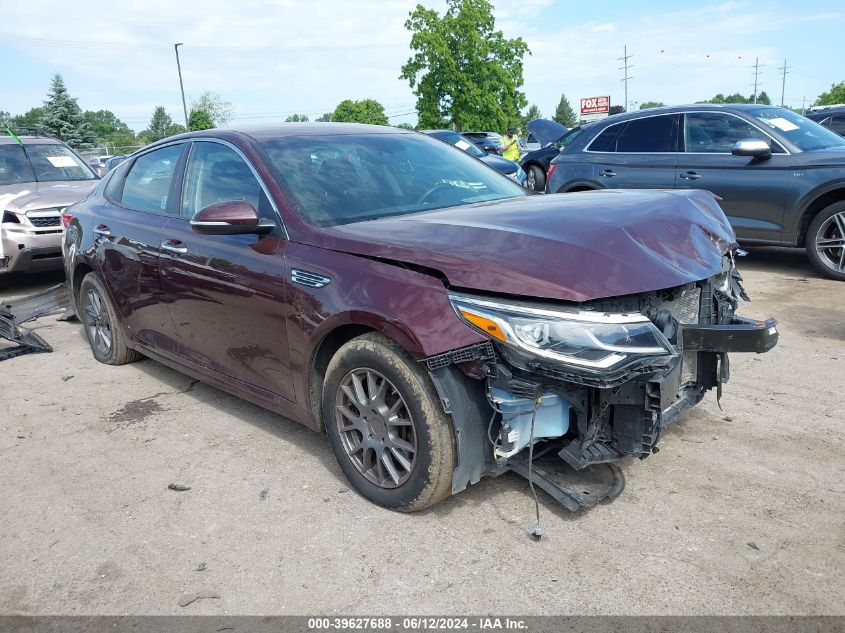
511,145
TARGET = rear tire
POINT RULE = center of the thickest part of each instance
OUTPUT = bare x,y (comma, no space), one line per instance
536,179
102,327
826,241
386,425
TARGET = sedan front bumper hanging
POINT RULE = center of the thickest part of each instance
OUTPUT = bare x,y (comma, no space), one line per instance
739,335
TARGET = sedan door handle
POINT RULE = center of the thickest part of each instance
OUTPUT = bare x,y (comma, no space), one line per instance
102,230
608,173
691,175
174,246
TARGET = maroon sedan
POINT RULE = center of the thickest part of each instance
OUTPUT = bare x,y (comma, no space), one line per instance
436,320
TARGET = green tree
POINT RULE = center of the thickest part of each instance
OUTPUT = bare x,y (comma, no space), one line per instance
63,118
219,111
324,118
617,109
32,118
158,127
406,126
5,120
762,98
651,104
532,113
835,95
462,69
173,129
297,118
364,111
109,131
199,120
564,114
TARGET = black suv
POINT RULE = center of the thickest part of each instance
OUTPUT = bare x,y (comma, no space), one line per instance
832,118
781,176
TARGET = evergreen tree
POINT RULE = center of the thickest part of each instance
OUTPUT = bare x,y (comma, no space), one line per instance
564,114
62,117
158,127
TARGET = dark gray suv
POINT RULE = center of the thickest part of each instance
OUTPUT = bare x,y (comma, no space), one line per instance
781,177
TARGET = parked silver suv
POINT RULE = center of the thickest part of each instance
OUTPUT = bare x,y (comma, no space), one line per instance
39,176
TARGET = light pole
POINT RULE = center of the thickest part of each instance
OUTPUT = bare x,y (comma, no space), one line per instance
181,87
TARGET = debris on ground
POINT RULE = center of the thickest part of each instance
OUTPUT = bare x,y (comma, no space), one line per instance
178,487
263,494
200,567
753,545
12,315
189,598
67,377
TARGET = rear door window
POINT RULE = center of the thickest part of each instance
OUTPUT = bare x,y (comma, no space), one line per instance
606,141
837,124
648,135
147,185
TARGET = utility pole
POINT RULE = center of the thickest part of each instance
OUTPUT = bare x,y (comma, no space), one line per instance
624,59
756,74
785,70
181,87
803,102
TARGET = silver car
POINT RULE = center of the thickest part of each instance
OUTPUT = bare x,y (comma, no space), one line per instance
39,177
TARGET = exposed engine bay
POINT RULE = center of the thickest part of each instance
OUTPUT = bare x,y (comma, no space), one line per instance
597,381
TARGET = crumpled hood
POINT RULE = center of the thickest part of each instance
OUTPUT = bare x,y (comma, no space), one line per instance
546,131
572,247
43,195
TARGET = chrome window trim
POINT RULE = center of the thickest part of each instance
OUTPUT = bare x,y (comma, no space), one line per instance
209,139
587,149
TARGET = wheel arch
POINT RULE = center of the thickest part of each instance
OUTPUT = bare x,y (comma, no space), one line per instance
332,336
819,202
579,185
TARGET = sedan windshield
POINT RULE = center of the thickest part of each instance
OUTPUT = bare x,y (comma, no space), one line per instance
344,178
799,130
40,163
461,142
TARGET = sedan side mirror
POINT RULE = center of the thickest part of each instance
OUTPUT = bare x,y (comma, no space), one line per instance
752,147
233,217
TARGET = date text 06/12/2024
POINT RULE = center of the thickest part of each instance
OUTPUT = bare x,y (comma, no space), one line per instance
417,623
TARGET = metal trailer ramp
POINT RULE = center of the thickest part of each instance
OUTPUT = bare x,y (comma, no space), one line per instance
573,489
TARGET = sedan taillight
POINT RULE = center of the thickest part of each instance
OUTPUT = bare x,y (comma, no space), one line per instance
549,173
66,218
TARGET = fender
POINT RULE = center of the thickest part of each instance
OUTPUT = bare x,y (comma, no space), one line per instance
591,184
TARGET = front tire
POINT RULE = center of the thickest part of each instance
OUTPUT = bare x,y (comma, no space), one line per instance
536,179
826,241
102,328
386,425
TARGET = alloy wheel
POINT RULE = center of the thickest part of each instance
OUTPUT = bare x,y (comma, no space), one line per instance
830,242
376,428
531,180
97,323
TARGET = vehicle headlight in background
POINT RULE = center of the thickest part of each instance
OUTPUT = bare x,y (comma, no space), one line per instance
591,340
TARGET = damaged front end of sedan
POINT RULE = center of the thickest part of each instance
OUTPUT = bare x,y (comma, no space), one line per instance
578,385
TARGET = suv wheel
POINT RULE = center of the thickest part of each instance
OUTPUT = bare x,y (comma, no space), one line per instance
103,330
386,425
826,241
536,179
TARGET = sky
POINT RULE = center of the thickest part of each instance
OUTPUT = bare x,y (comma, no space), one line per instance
273,58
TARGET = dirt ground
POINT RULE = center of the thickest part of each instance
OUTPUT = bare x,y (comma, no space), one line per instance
741,512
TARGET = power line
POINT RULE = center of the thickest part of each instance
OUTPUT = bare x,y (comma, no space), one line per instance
757,73
785,70
625,57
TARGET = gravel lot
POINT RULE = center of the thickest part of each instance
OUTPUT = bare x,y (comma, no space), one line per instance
741,512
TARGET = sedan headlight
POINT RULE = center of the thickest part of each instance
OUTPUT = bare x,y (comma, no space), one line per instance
588,340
